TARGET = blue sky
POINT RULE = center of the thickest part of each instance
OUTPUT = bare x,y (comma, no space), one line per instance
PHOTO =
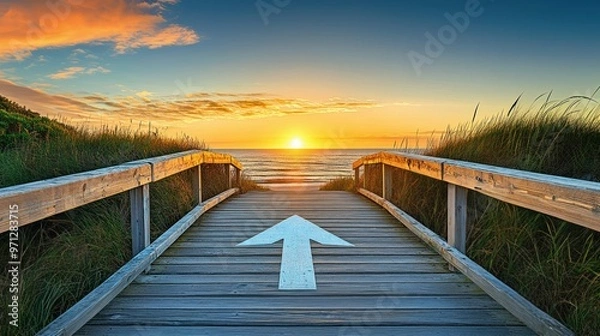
314,69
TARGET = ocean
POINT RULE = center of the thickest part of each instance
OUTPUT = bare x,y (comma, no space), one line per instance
297,168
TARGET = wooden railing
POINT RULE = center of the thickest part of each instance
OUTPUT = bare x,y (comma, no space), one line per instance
572,200
42,199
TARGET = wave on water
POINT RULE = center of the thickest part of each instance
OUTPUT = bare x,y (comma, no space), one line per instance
297,167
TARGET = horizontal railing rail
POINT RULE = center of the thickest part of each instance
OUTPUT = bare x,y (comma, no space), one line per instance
575,201
42,199
572,200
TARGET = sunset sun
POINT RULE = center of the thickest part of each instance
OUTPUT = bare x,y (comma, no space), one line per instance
296,143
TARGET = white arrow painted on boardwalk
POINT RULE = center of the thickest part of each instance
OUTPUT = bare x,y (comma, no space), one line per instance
297,269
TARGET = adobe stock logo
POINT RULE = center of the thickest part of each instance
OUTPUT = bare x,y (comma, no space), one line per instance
435,45
266,8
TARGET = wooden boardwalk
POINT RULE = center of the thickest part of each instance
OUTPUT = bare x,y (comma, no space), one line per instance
389,283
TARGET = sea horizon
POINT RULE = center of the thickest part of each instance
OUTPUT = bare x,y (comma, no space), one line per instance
304,168
297,168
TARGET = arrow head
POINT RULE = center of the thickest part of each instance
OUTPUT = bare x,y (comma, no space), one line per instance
298,229
297,270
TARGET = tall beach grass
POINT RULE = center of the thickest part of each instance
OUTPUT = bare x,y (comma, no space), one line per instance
554,264
66,256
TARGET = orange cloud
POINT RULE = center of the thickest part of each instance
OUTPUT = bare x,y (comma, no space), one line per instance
28,25
204,105
70,72
171,110
59,106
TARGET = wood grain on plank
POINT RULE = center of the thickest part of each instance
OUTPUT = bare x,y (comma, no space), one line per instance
203,281
354,328
573,200
78,315
42,199
532,316
294,317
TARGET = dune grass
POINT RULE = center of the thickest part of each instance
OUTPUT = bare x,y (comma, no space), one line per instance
343,183
66,256
247,184
554,264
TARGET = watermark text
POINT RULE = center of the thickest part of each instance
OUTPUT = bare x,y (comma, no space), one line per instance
14,263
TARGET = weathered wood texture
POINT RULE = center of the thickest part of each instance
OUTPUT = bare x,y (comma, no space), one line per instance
74,318
457,217
140,218
419,164
537,320
388,284
572,200
165,166
42,199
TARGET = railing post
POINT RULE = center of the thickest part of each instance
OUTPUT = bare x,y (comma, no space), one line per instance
140,218
229,179
238,177
457,217
364,184
357,177
197,184
386,181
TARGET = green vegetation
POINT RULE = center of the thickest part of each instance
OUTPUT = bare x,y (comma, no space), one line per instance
66,256
20,125
247,184
344,183
554,264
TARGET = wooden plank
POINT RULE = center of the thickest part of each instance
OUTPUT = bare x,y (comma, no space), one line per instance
227,268
317,259
307,302
222,226
197,184
257,317
167,165
245,233
242,289
358,241
423,165
42,199
387,181
457,217
227,251
376,245
238,177
572,200
323,279
353,328
532,316
79,314
348,229
216,158
140,218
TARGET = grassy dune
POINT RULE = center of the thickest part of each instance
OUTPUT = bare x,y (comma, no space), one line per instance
345,183
554,264
66,256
